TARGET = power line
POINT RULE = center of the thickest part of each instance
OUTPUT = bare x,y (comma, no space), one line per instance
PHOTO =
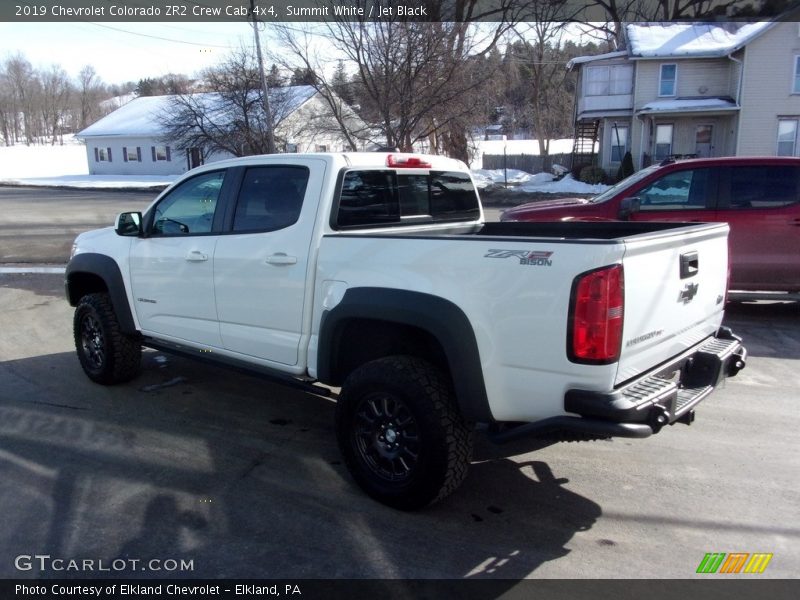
156,37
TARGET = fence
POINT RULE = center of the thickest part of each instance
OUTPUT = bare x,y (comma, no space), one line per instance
530,163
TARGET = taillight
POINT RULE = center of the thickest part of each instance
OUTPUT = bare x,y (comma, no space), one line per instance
596,315
406,162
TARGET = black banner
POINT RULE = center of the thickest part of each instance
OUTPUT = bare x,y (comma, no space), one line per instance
733,588
175,11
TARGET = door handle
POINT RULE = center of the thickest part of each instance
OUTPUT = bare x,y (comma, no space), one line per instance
280,258
196,256
690,264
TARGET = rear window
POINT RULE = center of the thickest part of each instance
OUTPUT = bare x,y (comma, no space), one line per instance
385,197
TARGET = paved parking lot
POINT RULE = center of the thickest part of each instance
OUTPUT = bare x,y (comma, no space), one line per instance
242,478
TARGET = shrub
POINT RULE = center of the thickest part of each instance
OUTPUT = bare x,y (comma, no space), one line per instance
592,175
625,167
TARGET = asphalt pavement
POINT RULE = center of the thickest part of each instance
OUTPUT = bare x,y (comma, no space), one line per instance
242,478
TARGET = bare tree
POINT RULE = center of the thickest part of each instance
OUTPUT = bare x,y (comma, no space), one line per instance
24,86
545,70
7,109
55,101
415,81
297,45
229,115
618,12
89,93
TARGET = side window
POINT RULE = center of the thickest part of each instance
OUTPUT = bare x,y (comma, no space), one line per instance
189,208
763,187
270,198
679,190
368,198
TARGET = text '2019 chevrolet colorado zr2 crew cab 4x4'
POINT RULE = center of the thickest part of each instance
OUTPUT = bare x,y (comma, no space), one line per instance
376,273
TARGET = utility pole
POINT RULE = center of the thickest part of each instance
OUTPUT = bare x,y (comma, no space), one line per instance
264,86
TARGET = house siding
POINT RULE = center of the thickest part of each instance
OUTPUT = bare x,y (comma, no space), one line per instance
758,77
767,89
309,126
697,78
118,166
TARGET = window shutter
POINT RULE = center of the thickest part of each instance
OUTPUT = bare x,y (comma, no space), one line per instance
153,150
109,154
96,155
169,156
125,154
138,154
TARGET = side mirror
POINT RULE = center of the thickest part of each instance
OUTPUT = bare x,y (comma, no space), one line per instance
628,207
129,224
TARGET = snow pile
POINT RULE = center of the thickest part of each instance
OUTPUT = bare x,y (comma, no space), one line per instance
486,177
546,183
688,104
540,182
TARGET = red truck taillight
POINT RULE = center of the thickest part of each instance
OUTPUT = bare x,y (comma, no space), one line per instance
596,312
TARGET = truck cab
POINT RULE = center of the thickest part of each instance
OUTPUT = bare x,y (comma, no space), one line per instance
759,198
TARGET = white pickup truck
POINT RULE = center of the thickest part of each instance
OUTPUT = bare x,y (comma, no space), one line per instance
376,273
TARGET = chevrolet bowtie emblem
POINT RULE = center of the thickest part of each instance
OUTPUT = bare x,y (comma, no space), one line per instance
688,293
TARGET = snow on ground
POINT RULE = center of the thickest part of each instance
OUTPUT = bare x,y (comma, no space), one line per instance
63,165
540,182
21,161
66,166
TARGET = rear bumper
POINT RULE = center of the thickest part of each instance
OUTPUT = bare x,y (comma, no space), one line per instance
644,406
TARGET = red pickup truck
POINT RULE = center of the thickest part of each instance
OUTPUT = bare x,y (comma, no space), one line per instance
759,197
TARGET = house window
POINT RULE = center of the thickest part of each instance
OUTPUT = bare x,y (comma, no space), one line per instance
614,80
619,142
667,79
102,155
663,141
132,154
322,148
161,153
787,137
796,78
291,148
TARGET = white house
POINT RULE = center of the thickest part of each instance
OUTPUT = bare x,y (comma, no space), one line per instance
696,89
130,140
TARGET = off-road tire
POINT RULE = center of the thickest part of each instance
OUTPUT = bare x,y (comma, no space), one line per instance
107,355
401,434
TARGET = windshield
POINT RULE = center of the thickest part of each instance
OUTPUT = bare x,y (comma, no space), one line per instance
624,184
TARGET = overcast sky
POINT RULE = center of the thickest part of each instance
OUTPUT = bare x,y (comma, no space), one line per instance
122,51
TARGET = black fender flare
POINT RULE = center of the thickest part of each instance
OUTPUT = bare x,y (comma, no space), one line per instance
439,317
107,269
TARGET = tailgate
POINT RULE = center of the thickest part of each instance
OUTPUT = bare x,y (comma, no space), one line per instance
675,286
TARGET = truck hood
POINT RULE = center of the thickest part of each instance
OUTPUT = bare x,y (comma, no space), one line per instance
531,208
